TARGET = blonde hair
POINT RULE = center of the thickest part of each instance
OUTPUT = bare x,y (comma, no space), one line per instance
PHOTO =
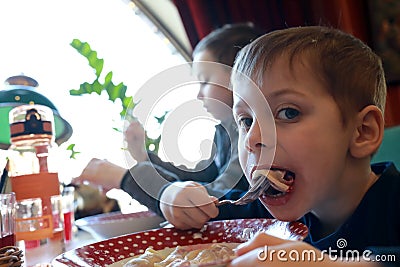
350,71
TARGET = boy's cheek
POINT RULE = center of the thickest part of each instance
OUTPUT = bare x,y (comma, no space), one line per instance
243,158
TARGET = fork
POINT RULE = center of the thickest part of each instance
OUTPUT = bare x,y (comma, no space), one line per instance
254,192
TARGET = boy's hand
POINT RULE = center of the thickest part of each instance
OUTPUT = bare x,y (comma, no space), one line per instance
259,251
187,205
102,173
267,250
135,137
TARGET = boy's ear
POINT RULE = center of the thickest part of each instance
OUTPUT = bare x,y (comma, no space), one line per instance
368,133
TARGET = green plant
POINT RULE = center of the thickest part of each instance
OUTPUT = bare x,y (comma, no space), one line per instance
71,148
114,91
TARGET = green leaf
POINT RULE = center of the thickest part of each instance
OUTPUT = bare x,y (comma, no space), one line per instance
155,142
84,49
97,87
88,88
108,78
128,102
117,91
73,152
114,92
161,119
128,105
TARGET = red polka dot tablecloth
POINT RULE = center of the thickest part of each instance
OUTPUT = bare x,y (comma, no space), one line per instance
119,248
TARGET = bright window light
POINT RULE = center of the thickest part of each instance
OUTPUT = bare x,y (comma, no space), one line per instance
36,37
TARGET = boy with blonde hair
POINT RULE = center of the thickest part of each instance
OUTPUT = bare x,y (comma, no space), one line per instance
320,121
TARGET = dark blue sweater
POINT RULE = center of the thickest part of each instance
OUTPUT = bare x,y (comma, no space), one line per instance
374,225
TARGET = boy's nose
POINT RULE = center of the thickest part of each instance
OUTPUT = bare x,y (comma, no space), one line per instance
257,139
253,138
200,95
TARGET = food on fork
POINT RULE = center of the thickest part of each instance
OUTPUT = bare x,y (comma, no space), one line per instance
271,182
279,179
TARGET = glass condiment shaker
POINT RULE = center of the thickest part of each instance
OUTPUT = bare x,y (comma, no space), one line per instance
33,174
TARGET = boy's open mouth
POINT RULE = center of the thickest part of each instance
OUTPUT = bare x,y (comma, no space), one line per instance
281,181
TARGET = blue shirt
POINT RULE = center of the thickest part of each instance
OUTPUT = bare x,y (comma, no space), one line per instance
374,225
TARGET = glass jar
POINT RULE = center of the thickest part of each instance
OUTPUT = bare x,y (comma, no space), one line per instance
33,174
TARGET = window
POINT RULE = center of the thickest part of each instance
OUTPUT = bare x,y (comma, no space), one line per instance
36,42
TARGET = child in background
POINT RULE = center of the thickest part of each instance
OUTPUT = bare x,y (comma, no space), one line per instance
326,92
221,172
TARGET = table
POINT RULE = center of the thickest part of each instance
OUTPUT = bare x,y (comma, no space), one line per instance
80,239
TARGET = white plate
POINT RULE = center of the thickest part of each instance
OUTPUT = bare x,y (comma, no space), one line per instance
107,225
119,248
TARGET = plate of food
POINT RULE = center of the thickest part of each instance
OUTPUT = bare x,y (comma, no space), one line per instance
118,251
200,255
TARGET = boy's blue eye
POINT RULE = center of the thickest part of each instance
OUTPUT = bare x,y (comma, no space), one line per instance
288,114
245,123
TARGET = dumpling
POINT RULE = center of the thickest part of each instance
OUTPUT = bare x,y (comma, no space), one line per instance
177,254
215,253
147,259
